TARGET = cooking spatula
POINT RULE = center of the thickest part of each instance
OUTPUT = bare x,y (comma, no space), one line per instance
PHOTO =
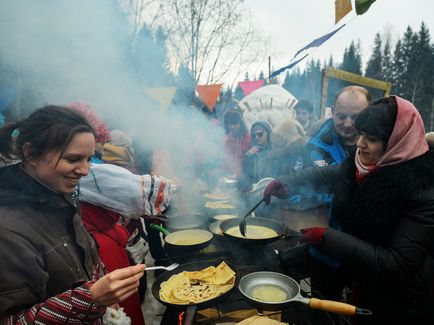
243,224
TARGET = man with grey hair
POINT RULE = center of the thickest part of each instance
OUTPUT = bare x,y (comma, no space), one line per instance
336,138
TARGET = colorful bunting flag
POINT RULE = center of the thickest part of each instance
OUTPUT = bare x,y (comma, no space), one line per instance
320,40
249,86
162,95
209,94
275,73
342,7
315,43
362,6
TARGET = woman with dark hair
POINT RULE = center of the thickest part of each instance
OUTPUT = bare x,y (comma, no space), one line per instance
51,272
237,141
384,203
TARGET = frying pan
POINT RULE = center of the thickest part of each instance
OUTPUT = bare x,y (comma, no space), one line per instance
253,280
191,308
188,240
188,221
179,222
225,225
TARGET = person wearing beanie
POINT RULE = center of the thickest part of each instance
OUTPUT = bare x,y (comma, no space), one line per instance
102,132
383,200
258,161
119,151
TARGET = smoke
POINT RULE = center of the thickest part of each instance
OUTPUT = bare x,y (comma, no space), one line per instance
80,50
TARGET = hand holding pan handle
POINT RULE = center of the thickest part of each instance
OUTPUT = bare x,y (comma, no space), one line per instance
338,307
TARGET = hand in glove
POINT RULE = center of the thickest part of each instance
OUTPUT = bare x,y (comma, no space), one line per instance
314,236
277,189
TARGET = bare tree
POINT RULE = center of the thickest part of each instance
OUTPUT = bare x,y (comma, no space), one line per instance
215,39
137,11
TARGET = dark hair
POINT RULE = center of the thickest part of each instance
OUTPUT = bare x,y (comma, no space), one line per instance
46,129
354,89
234,116
378,119
304,105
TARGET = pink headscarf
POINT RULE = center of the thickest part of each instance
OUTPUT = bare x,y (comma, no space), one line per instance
407,140
102,132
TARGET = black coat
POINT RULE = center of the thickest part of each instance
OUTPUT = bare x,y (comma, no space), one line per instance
387,240
44,248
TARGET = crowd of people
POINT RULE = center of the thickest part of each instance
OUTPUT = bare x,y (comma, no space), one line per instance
72,193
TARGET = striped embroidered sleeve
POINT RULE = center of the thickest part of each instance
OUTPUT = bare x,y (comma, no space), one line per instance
73,306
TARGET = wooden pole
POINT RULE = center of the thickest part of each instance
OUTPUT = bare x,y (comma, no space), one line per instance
269,68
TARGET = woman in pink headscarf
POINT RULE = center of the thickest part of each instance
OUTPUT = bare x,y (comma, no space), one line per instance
384,206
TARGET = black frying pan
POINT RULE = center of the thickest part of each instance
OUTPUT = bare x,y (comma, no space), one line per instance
185,240
277,227
191,308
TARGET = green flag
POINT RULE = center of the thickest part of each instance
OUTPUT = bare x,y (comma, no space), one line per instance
362,6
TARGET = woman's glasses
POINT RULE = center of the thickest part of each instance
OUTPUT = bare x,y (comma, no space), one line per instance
258,134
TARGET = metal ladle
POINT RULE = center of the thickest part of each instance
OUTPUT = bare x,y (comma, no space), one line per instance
243,224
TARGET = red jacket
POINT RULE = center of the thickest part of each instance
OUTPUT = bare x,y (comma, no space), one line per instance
236,148
112,239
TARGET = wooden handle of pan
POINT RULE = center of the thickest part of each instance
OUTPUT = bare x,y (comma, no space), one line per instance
332,306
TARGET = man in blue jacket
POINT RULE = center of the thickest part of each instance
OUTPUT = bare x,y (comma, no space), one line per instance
334,141
337,137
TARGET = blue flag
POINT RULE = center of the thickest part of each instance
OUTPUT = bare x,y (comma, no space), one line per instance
275,73
315,43
319,41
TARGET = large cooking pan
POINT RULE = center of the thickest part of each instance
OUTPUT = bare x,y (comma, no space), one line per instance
185,240
253,221
191,308
188,221
178,221
289,287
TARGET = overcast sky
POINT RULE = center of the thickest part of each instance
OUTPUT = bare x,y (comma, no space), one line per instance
292,24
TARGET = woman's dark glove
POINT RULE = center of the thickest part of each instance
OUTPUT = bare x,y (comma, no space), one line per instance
314,236
275,188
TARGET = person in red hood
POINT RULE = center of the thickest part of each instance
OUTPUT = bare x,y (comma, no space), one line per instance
384,204
237,141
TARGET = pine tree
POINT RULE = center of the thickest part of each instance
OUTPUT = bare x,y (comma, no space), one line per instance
404,57
185,93
413,70
331,62
422,73
149,58
238,93
375,62
294,82
387,63
399,68
352,61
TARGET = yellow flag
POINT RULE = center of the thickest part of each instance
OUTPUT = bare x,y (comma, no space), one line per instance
162,95
342,7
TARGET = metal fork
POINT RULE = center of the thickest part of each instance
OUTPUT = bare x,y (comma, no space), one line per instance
243,223
167,268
